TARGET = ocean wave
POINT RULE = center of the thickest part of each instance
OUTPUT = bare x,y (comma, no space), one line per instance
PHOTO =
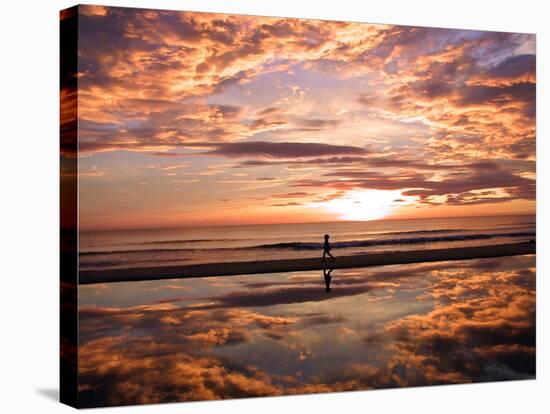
435,231
335,245
135,251
136,262
180,241
396,241
184,241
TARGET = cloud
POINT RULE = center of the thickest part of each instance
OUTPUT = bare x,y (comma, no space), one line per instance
310,99
298,163
523,92
472,101
283,149
154,67
460,184
199,52
513,68
92,10
318,123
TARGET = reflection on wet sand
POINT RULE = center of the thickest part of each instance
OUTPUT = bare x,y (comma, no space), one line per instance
328,278
435,323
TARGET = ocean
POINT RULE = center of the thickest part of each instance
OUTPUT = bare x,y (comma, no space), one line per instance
181,246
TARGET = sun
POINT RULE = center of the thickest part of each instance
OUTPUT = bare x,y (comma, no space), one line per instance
364,205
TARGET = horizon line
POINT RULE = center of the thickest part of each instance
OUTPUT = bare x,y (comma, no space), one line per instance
291,223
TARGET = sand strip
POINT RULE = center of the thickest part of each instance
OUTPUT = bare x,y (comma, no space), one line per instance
294,265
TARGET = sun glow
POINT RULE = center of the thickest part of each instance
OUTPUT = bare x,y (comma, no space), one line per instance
368,204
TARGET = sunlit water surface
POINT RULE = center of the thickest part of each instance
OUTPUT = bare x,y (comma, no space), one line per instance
227,337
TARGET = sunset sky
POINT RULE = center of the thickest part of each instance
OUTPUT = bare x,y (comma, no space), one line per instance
211,119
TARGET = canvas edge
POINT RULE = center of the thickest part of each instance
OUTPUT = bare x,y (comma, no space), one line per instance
68,181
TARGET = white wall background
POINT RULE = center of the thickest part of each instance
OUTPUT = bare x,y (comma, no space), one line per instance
29,205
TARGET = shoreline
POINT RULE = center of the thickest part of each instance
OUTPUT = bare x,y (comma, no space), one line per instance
306,264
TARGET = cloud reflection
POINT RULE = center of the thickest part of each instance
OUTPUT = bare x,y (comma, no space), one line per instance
397,326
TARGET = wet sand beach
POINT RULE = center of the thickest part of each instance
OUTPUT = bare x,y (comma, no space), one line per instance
306,264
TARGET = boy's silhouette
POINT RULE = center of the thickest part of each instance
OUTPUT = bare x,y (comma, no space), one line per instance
326,248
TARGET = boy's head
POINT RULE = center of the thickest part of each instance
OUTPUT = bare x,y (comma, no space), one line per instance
326,236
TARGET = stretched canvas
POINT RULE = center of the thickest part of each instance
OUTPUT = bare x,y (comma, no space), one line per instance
259,206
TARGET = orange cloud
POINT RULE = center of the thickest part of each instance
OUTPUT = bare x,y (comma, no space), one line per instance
175,84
